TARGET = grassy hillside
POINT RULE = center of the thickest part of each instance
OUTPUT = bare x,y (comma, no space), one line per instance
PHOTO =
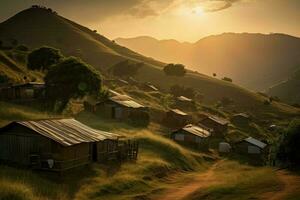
13,66
158,157
255,61
288,90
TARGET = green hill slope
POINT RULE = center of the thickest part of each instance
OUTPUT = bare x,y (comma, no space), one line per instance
288,90
36,27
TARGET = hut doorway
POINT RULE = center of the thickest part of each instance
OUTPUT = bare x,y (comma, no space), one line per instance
94,152
116,113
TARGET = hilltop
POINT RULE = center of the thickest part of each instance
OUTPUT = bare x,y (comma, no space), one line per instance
255,61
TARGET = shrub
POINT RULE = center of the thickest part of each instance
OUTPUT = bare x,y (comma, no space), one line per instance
227,79
22,47
126,69
289,146
174,70
177,90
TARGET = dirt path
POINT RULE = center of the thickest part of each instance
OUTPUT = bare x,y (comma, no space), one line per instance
202,180
290,182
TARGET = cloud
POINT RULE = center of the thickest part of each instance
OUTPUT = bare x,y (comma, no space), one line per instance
98,10
217,5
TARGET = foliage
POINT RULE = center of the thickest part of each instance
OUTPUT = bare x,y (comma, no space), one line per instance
227,79
126,69
289,150
178,90
174,70
3,78
71,78
225,101
22,47
42,58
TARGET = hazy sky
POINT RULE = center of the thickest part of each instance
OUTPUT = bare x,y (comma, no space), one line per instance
184,20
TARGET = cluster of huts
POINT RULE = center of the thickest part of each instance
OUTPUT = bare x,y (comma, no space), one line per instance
29,91
60,144
211,128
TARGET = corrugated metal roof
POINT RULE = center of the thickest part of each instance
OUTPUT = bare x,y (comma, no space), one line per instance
183,98
196,130
153,87
255,142
67,132
126,101
242,115
179,112
218,120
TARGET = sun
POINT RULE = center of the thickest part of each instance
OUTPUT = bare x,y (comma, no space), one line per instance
198,11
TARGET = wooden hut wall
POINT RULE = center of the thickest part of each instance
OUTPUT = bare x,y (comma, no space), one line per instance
18,143
244,148
105,149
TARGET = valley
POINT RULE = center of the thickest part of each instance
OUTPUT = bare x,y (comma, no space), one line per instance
87,118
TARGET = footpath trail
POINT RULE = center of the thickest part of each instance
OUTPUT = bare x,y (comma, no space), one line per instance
291,184
202,180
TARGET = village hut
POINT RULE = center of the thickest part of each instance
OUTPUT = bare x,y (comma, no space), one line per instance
176,118
118,82
251,146
192,134
224,147
55,144
218,125
24,91
184,102
240,119
121,107
149,88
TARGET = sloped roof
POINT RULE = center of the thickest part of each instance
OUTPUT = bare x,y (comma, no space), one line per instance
241,115
183,98
126,101
196,130
179,112
152,87
29,83
67,132
255,142
218,120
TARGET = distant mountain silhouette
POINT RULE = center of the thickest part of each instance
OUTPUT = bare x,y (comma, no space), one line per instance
256,61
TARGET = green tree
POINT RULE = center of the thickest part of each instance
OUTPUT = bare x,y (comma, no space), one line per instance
174,70
177,90
22,47
126,69
71,78
289,150
43,58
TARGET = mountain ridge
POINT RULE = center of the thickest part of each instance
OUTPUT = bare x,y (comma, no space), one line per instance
244,57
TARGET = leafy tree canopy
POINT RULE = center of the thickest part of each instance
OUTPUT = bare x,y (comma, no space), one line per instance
72,78
174,70
43,58
126,68
289,148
